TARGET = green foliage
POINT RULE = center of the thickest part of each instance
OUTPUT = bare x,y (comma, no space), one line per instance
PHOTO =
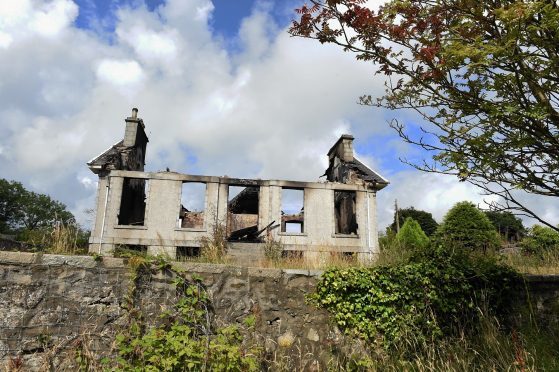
425,220
427,297
11,193
507,225
541,240
484,76
20,208
185,340
411,236
466,227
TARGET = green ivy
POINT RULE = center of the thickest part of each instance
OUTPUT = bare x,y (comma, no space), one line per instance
427,297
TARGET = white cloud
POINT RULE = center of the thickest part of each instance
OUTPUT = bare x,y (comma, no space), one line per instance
13,12
120,72
437,193
87,182
5,39
53,17
203,12
271,111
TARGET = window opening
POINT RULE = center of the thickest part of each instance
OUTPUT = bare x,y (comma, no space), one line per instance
187,253
292,210
292,255
242,213
345,212
129,250
133,201
193,205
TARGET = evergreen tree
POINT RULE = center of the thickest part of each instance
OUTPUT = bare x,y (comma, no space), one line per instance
425,220
466,227
411,236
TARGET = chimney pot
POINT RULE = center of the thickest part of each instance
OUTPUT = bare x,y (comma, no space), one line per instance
134,113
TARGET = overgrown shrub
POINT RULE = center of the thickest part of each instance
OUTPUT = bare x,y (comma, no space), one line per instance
541,240
428,297
466,227
411,236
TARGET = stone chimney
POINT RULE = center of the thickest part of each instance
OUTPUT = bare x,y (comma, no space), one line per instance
343,148
133,126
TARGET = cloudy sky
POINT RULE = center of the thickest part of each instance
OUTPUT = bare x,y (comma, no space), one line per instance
222,87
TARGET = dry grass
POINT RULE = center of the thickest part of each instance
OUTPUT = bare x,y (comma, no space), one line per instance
59,239
214,248
548,264
313,261
491,348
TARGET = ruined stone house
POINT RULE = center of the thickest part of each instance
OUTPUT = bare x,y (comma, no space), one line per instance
146,210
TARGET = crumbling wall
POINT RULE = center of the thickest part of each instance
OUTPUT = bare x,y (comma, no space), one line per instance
240,221
192,220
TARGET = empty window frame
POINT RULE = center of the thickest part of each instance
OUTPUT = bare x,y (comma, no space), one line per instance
242,213
292,211
127,250
133,201
193,205
345,212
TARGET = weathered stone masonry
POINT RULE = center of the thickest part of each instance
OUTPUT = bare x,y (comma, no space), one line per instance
137,208
50,302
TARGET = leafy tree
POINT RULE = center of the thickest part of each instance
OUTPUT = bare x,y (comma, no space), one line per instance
20,208
411,236
425,219
484,74
507,225
10,200
540,239
466,227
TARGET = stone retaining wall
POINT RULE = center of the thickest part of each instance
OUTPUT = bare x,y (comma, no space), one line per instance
51,303
48,303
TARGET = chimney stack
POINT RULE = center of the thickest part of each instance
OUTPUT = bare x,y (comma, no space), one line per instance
133,125
343,148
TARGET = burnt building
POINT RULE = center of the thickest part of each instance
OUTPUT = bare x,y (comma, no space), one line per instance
150,209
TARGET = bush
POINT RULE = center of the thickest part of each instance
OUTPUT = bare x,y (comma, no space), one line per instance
466,227
540,240
411,236
433,295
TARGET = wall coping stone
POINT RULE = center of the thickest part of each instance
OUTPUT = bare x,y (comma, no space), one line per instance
28,258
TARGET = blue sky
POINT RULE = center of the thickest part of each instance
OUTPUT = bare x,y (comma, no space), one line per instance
222,87
225,21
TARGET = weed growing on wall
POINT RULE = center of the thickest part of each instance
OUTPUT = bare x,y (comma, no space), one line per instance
185,338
